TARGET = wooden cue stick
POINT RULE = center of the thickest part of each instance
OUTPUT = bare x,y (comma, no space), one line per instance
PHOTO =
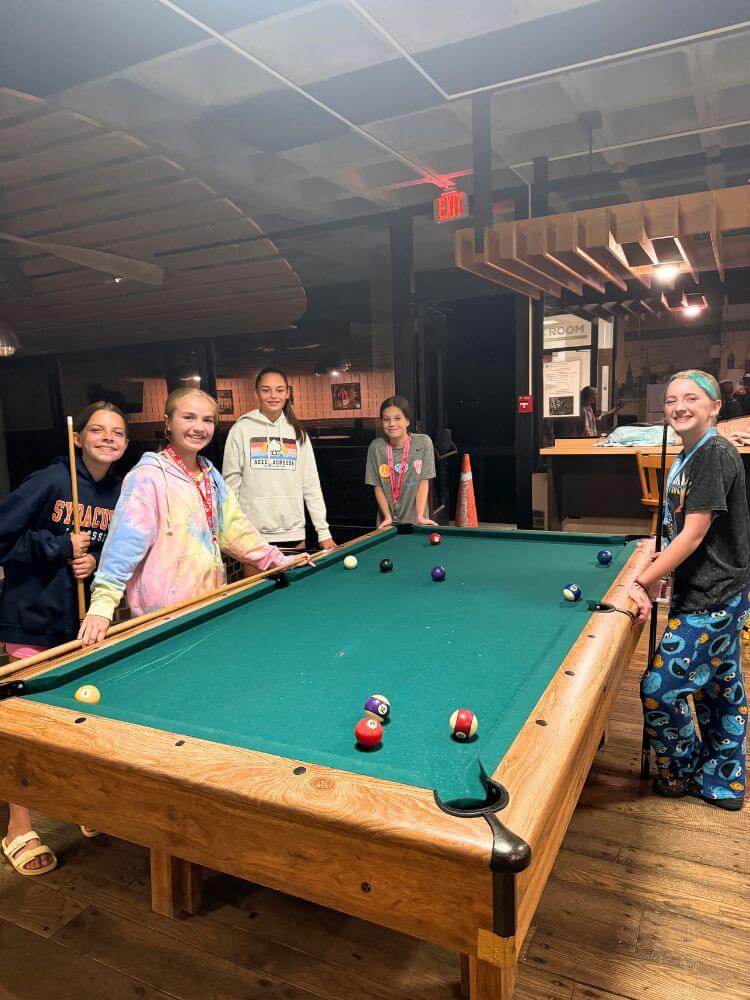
81,593
132,624
645,745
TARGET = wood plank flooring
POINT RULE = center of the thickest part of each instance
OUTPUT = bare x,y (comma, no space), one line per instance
648,900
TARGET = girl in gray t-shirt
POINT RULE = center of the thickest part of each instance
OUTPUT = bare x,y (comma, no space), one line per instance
708,529
399,467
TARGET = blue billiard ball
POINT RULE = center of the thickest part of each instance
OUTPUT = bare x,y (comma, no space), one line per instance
572,592
604,556
437,573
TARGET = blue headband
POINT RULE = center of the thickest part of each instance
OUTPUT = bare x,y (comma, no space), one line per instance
702,382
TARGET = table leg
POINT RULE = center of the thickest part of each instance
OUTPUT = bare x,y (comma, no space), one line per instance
490,982
175,885
465,976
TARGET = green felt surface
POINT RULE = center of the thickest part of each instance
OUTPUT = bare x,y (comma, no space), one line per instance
287,670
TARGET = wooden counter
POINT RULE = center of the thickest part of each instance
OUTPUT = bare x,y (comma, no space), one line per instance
591,488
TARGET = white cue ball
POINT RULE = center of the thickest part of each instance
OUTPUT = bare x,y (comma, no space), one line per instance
350,562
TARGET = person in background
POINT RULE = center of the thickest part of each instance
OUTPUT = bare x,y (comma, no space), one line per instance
399,467
589,413
42,559
270,465
730,407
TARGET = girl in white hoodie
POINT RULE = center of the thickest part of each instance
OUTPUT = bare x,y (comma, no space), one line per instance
270,465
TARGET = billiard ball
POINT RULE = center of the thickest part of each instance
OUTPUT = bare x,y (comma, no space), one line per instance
572,592
386,565
604,556
438,573
464,724
435,538
368,732
377,707
350,562
88,694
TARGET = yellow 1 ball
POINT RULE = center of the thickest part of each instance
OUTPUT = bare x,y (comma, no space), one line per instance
88,694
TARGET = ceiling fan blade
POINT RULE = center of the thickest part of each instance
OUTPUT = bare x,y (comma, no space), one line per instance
98,260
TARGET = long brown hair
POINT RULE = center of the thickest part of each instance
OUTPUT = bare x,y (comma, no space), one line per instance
299,431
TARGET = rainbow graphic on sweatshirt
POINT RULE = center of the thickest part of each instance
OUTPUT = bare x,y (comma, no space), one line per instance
273,453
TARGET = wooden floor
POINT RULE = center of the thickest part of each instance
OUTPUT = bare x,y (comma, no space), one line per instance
649,899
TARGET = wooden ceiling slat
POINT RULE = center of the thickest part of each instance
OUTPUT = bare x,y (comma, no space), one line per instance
74,156
43,131
14,104
498,253
181,300
128,295
196,237
107,234
560,275
468,260
108,179
231,252
244,305
41,225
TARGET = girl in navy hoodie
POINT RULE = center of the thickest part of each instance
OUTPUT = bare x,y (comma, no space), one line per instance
42,560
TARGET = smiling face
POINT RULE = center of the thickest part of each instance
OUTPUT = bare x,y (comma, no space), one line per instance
395,423
689,409
272,392
104,438
192,425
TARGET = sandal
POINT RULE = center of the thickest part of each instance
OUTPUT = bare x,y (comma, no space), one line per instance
20,860
89,831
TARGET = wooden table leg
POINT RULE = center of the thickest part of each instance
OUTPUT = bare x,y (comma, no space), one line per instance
465,976
490,982
175,885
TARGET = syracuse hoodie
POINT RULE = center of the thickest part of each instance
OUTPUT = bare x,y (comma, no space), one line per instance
274,476
39,604
160,549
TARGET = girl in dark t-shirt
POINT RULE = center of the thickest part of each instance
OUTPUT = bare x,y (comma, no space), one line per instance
707,531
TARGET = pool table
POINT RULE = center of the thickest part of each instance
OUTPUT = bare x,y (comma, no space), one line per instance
224,733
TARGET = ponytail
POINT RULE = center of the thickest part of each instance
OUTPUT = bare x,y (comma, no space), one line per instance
299,431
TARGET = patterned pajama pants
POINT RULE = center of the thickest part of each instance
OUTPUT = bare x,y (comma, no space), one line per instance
699,655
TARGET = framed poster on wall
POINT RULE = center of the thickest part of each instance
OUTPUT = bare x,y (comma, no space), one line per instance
346,396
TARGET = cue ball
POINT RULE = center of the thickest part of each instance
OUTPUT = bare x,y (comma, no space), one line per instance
572,592
350,562
438,573
368,732
464,724
435,538
604,556
88,694
386,565
377,707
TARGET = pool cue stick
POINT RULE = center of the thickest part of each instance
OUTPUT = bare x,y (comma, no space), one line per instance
81,593
645,745
226,590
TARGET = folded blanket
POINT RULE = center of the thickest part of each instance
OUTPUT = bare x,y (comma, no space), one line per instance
638,436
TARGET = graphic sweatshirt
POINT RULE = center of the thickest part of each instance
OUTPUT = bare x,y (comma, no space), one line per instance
274,476
160,548
39,605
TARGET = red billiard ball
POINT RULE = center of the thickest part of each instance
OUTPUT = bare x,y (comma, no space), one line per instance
368,732
435,538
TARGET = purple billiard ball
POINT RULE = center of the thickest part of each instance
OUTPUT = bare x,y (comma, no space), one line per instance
438,573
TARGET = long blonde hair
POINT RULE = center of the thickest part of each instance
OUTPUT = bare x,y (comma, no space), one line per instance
177,395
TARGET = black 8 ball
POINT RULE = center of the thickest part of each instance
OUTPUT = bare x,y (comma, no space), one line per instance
386,565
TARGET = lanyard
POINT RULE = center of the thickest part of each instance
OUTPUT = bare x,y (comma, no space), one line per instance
396,486
205,492
682,459
679,464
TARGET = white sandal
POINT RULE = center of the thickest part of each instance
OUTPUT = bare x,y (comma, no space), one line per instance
20,860
89,831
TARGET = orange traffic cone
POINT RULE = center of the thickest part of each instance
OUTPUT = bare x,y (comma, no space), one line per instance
466,508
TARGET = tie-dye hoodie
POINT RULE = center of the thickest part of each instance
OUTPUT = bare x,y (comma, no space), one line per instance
160,549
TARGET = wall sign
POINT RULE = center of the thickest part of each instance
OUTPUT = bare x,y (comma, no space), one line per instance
564,331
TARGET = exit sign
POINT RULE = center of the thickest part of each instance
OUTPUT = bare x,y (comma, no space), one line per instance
451,205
